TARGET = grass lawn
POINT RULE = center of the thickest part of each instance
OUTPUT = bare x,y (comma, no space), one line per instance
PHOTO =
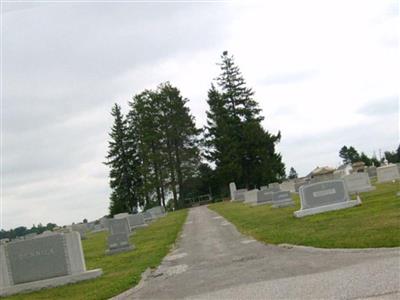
120,271
376,223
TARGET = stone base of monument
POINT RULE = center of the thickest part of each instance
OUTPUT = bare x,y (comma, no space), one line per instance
237,200
119,250
138,226
48,283
261,203
363,190
326,208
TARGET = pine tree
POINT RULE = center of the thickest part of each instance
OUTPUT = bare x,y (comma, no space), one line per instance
180,137
242,150
144,120
118,159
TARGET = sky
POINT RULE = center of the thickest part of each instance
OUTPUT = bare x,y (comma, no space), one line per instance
325,73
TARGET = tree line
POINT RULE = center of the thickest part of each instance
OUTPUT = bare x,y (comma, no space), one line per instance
22,230
156,152
350,155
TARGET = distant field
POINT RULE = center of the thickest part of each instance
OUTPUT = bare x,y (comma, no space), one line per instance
376,223
121,271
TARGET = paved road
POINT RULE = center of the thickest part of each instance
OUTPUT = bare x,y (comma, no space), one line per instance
214,261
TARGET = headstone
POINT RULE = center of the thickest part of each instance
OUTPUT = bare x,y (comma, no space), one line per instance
44,261
274,187
324,196
388,173
371,170
282,199
358,182
81,228
119,226
157,211
262,197
338,174
98,228
239,194
321,178
104,222
90,225
121,216
251,196
147,216
287,186
136,221
232,190
118,242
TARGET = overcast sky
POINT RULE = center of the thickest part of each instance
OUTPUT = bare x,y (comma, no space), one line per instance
325,73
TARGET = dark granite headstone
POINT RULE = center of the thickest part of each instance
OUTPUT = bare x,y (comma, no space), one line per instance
323,193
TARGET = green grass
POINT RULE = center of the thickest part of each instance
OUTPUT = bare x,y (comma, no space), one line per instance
120,271
376,223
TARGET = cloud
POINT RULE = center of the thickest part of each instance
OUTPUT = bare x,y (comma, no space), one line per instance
64,66
288,78
385,106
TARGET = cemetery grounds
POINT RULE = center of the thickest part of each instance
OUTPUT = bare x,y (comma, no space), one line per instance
374,224
120,271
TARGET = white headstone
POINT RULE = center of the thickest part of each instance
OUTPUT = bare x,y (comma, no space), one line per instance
324,196
232,189
388,173
358,182
239,194
288,186
251,196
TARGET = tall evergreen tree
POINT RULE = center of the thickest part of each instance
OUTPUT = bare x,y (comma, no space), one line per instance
167,143
144,124
119,160
180,139
242,150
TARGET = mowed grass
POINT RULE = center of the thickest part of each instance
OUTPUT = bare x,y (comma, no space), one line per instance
120,271
376,223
